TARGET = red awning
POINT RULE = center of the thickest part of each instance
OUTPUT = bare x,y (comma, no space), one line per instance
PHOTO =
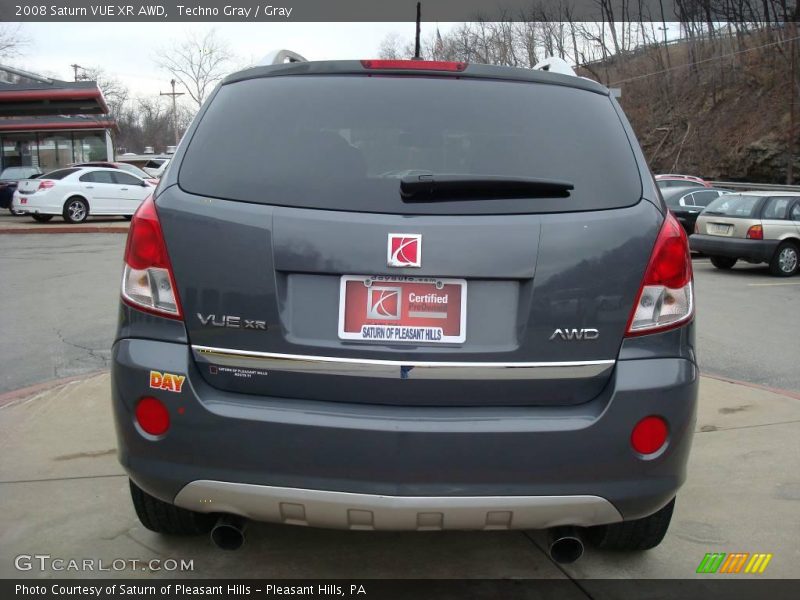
62,101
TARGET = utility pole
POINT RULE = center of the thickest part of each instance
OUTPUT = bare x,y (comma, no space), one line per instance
75,68
174,95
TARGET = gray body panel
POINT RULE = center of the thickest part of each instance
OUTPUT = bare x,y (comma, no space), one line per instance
408,451
527,275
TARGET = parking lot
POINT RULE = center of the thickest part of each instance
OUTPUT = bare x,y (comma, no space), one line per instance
65,494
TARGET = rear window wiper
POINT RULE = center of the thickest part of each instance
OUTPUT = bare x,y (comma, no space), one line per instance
433,188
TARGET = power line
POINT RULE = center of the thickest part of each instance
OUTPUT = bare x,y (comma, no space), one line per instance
705,60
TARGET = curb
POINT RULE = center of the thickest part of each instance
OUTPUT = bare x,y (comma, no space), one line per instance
756,386
8,397
59,229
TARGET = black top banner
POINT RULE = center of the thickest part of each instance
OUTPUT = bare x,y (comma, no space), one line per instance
194,11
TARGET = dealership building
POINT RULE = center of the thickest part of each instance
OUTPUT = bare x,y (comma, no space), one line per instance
48,123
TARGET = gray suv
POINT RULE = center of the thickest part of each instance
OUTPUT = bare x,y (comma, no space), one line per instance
407,295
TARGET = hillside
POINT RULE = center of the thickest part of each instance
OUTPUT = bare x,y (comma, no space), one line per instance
719,109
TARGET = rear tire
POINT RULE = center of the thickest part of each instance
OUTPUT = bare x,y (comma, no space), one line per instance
635,535
76,210
723,262
162,517
785,261
42,218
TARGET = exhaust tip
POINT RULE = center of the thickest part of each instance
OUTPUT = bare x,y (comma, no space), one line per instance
566,546
228,533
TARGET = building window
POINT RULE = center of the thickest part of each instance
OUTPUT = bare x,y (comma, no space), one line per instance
55,151
90,145
19,150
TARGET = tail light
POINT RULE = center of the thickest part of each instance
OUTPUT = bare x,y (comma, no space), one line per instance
756,232
147,280
415,65
666,298
45,184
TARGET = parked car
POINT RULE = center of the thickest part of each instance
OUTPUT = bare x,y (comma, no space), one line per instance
159,172
329,314
669,180
686,203
759,227
129,168
75,192
9,179
154,166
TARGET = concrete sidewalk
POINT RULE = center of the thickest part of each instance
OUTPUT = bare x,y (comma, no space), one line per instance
65,495
10,224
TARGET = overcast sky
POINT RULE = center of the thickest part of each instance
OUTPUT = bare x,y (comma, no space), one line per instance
126,50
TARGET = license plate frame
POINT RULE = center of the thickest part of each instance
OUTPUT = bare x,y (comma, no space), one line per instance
403,324
723,229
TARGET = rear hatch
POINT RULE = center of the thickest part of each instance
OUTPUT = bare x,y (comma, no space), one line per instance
408,240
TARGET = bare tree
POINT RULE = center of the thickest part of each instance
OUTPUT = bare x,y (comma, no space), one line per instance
198,63
11,40
114,91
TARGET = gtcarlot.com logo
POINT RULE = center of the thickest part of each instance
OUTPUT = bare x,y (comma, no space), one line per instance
46,562
734,563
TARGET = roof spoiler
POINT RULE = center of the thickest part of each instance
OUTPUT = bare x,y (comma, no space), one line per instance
280,57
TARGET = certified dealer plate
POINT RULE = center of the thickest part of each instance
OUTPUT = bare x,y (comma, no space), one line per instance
402,309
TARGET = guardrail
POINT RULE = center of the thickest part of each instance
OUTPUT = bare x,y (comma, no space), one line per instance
766,187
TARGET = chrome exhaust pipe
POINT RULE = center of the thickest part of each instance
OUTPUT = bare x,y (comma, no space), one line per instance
565,545
228,533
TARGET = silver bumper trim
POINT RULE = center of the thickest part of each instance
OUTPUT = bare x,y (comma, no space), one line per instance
346,510
396,369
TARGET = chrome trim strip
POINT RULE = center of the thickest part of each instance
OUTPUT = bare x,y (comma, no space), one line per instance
395,369
347,510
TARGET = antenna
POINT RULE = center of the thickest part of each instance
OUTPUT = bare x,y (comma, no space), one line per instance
416,40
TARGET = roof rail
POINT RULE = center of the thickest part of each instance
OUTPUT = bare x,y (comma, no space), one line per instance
280,57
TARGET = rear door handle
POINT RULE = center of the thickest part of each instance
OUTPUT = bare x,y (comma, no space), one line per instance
89,187
124,189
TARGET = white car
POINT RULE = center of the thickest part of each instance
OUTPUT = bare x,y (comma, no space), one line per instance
76,192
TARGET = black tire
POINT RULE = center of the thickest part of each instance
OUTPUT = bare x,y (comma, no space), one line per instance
628,536
723,262
76,210
162,517
42,218
786,260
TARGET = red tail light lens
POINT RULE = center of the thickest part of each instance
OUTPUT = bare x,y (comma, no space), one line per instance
756,232
147,280
649,435
45,184
415,65
152,416
666,298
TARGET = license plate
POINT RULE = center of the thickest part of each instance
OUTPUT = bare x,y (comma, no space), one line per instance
719,229
402,309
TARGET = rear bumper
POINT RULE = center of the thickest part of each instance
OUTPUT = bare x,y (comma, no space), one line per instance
342,465
345,510
753,250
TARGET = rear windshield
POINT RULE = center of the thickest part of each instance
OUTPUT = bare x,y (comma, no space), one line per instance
344,142
733,205
60,174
